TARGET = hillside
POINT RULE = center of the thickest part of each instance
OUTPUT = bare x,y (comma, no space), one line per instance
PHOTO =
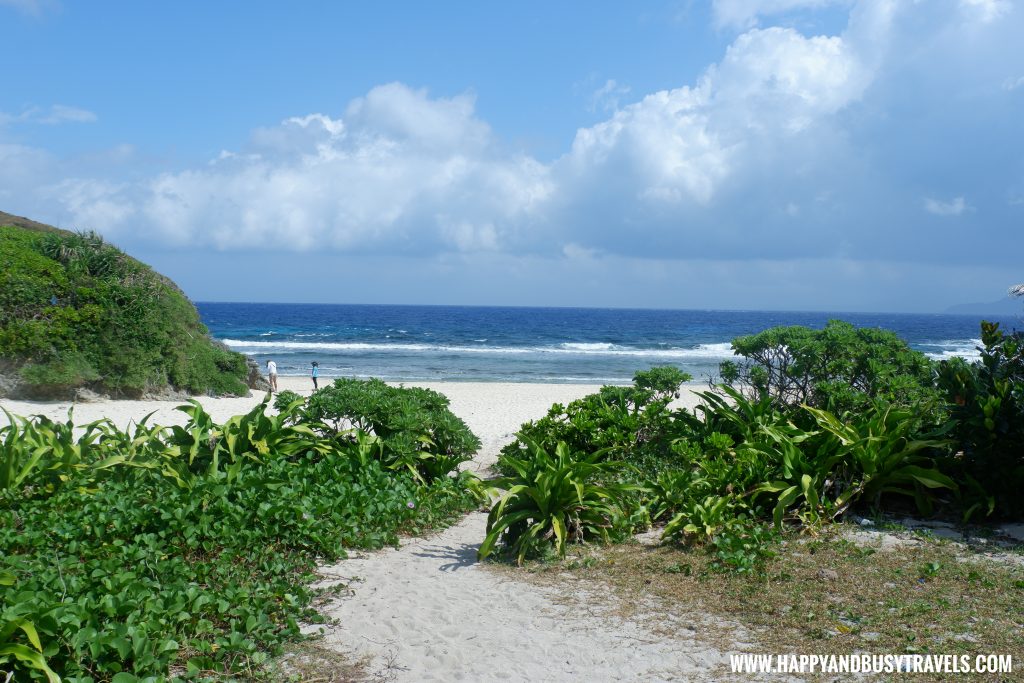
78,314
1007,307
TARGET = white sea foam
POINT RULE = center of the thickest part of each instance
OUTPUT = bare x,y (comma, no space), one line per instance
944,350
719,350
574,346
702,351
971,355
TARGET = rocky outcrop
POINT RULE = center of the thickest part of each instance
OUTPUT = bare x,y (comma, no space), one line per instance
256,380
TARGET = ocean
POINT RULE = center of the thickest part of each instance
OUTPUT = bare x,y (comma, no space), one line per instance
503,344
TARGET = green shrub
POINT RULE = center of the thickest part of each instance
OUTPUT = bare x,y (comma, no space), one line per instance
880,454
819,422
703,518
417,430
838,368
631,423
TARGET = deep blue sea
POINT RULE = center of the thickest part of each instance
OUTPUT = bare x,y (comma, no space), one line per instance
586,345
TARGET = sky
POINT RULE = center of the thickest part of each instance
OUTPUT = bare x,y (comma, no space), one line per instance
837,155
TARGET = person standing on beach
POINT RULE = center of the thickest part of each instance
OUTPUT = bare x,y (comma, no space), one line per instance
272,371
316,373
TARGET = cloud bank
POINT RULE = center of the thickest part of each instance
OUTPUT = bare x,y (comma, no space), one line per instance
787,147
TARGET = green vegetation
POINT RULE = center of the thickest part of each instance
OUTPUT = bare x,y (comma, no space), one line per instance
745,493
186,552
811,425
839,368
553,496
414,428
78,313
632,424
987,402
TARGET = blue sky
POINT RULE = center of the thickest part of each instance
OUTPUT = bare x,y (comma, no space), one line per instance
751,154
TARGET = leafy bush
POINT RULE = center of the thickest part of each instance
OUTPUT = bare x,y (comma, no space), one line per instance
880,454
286,398
987,406
553,498
631,423
838,368
191,547
820,422
817,473
76,312
417,431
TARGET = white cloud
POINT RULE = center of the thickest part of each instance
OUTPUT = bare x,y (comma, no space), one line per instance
55,114
22,170
607,97
409,118
955,207
574,252
679,146
60,113
986,10
30,7
789,146
744,14
405,171
1013,83
399,170
95,202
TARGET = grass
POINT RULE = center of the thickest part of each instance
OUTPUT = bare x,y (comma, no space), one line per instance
824,594
310,662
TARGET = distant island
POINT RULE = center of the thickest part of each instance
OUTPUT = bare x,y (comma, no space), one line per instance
1005,307
79,317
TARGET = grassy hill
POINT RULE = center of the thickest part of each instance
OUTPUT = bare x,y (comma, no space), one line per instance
77,313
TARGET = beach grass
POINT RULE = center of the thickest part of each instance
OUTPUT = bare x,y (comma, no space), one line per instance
834,592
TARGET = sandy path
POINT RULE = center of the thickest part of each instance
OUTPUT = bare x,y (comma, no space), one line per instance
429,612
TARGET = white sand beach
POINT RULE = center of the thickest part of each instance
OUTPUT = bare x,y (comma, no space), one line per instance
428,611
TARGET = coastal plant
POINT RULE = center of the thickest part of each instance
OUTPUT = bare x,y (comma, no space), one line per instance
284,401
837,368
987,422
416,428
43,454
743,545
730,412
21,651
667,493
205,448
553,498
881,455
631,423
702,519
135,576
